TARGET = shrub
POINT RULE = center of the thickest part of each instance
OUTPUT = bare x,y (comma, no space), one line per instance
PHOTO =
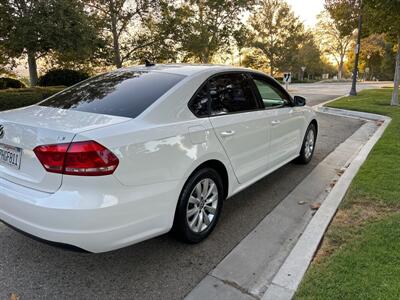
10,83
10,99
64,77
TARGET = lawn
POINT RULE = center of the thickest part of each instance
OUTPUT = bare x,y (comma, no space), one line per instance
360,254
14,98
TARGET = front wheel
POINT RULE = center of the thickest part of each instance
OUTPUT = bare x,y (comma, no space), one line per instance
308,146
199,206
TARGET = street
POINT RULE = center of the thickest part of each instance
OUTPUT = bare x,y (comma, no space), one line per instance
163,268
316,93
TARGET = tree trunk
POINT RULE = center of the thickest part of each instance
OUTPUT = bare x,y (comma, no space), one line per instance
33,73
205,56
114,31
395,95
340,68
271,62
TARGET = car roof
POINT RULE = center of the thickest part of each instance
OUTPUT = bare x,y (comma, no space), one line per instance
187,69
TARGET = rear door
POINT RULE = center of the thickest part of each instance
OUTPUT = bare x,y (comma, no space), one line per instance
286,121
239,122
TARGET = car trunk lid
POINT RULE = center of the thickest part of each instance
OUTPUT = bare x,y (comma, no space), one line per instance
22,130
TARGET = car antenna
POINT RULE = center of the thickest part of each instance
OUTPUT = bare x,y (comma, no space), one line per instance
148,63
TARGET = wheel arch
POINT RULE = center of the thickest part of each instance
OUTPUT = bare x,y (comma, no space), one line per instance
214,164
218,166
315,123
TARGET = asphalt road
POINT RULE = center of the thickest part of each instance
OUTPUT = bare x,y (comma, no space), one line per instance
316,93
161,268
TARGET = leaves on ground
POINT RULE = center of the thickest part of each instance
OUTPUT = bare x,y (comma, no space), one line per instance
315,206
14,297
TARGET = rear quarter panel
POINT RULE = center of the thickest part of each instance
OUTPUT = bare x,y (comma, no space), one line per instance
155,161
155,153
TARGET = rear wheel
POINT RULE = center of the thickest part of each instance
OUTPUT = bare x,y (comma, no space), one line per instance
199,206
308,147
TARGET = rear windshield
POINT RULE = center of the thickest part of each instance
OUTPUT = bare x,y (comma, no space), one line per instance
120,93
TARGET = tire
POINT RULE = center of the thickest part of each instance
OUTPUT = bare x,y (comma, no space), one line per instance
186,227
308,146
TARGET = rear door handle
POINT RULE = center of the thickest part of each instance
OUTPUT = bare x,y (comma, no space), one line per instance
227,133
275,122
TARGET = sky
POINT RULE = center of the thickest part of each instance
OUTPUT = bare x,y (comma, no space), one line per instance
307,10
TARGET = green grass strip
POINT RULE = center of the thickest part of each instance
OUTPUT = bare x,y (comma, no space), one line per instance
365,234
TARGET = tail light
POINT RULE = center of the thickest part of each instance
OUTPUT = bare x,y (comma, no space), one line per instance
87,158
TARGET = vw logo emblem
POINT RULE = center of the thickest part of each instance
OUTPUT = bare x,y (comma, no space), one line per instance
1,131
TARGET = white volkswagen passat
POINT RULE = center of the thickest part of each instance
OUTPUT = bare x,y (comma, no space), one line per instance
129,155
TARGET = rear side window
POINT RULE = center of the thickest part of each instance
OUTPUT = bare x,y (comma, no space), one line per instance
199,105
120,93
231,93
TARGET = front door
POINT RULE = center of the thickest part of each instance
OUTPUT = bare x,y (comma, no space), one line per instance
286,121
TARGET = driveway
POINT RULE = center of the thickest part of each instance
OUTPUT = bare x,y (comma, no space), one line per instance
161,268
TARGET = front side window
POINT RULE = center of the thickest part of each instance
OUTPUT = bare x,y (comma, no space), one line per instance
124,93
271,95
231,93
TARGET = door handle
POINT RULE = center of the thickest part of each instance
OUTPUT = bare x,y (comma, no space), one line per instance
227,133
275,122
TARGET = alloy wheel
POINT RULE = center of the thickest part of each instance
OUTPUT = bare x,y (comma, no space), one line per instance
309,144
202,205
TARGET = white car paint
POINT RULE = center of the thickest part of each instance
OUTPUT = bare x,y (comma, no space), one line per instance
157,152
37,125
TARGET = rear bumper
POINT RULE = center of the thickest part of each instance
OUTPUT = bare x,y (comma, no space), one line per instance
50,243
102,216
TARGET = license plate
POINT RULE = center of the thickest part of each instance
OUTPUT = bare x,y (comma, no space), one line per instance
10,156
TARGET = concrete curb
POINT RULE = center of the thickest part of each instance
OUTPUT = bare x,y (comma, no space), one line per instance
322,104
287,279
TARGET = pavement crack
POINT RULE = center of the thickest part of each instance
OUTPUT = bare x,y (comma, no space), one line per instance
238,287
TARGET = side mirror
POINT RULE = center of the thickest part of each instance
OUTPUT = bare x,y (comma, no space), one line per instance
299,101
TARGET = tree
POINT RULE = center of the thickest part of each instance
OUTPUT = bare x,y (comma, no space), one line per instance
331,40
122,23
382,16
37,27
309,56
387,67
156,42
241,38
277,33
3,62
371,55
255,58
345,14
202,28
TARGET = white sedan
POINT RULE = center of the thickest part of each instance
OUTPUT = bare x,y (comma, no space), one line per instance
135,153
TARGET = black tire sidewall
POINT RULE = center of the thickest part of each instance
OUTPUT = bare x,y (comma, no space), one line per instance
302,158
181,227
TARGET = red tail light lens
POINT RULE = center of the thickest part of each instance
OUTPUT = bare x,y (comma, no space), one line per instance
52,157
87,158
